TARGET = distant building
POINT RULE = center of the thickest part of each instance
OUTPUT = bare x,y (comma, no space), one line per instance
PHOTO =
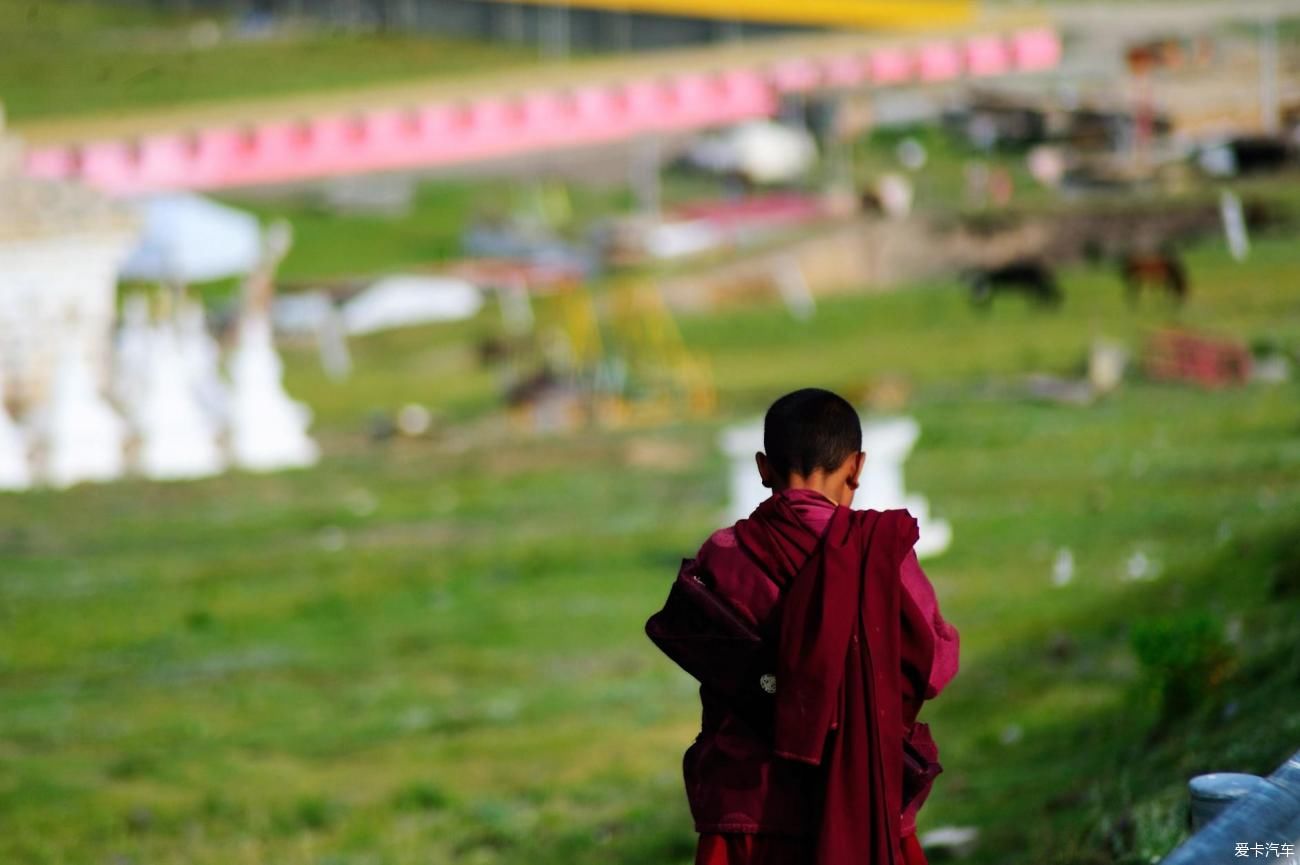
61,245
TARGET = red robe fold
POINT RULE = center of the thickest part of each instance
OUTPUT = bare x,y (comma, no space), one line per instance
749,805
838,667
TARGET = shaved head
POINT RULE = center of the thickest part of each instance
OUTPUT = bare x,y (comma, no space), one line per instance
810,429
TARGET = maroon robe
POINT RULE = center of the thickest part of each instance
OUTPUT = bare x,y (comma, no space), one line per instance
736,783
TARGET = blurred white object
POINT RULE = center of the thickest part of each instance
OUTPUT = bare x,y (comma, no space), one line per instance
1234,225
302,313
313,313
886,443
332,343
911,154
268,430
131,359
1046,164
399,301
762,150
61,244
665,240
178,439
958,840
414,419
739,443
80,435
1106,363
15,473
1140,566
1063,567
201,356
895,193
794,289
1273,369
1218,159
189,238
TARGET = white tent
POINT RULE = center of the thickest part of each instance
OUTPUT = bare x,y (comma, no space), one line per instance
763,150
188,238
399,301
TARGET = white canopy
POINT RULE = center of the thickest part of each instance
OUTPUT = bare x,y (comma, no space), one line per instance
398,301
192,239
763,150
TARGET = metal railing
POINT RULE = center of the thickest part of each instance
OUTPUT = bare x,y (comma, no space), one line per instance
1263,815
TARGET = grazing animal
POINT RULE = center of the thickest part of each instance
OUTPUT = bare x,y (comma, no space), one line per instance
1025,275
1163,268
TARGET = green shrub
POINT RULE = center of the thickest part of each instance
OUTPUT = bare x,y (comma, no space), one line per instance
1285,576
421,796
1183,658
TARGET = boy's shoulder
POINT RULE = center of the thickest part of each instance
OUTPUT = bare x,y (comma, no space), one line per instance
720,544
722,537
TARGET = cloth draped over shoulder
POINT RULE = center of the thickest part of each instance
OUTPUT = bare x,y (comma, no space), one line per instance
722,623
838,699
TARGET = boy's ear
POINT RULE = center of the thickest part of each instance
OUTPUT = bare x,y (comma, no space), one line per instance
859,460
763,471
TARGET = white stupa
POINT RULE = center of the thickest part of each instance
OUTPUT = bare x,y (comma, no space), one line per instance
887,443
177,437
201,357
131,354
60,247
268,430
79,434
15,473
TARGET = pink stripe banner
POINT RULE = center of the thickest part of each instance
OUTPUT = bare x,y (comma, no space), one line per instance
447,133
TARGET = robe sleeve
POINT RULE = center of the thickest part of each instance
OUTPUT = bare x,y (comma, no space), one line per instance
946,640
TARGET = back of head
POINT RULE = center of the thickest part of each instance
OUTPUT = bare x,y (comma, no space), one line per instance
810,429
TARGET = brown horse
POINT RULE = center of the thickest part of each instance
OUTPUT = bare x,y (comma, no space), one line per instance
1163,268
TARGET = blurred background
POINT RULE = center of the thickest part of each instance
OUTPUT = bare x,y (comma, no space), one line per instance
369,366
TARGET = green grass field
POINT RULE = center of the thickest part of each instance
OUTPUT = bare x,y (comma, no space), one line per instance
432,651
69,57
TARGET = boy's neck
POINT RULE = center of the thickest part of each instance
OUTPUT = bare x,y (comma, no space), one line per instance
810,488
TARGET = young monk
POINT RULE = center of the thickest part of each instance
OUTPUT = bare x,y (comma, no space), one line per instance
821,777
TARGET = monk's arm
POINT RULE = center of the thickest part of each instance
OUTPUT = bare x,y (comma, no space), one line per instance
946,639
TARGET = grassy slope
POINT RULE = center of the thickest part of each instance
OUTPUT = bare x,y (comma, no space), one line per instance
328,244
194,673
74,56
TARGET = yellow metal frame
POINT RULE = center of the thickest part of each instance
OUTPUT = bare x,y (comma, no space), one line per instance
883,14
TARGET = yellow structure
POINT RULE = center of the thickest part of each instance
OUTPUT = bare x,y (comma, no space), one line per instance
624,353
676,378
875,14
